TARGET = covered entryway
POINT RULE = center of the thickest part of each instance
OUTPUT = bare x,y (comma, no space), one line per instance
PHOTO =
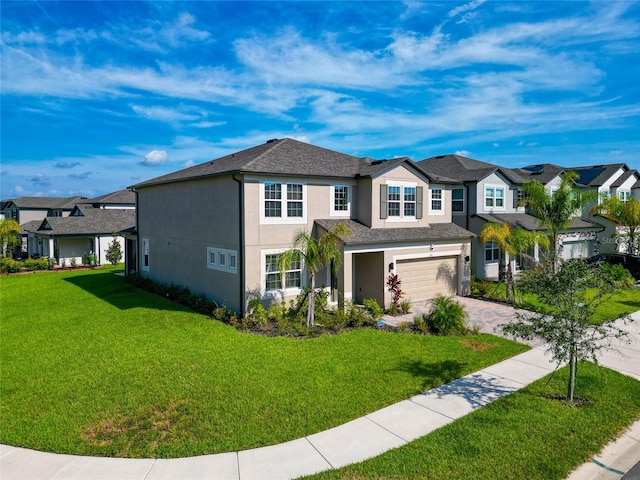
423,278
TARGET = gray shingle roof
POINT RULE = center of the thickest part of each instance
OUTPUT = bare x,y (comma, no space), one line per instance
543,172
529,222
465,169
31,226
361,234
624,177
47,203
94,221
289,157
123,196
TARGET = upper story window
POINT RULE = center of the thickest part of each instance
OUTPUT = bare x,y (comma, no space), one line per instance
409,201
394,201
624,195
437,200
283,202
400,202
340,200
494,197
457,200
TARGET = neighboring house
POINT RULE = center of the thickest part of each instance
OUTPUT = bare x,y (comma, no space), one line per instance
122,199
600,181
28,209
490,193
219,227
85,231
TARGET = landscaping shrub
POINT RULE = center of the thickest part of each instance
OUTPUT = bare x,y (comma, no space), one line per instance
41,263
9,265
405,305
373,308
619,276
446,317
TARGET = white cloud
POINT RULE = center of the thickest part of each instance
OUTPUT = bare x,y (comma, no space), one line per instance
18,190
496,145
154,158
463,153
189,163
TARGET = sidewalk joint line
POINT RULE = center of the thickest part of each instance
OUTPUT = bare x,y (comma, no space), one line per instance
385,428
431,409
319,453
150,468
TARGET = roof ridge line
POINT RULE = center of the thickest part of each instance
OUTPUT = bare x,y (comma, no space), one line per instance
266,150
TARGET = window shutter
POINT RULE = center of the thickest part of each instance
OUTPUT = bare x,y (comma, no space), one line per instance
418,202
384,195
515,198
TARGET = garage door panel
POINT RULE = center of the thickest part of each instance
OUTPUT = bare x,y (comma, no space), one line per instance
423,278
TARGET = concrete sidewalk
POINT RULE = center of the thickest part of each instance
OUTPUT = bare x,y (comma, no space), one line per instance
352,442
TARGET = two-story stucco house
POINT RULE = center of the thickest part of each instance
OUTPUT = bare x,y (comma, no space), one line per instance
218,227
490,193
601,181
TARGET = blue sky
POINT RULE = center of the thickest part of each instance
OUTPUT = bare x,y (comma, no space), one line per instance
97,96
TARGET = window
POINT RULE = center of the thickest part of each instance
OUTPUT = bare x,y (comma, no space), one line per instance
272,199
491,252
212,258
400,202
457,200
494,197
291,277
409,201
282,202
294,200
222,259
340,198
145,254
624,195
436,200
394,201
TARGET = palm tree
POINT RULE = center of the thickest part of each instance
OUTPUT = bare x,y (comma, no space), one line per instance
9,231
626,214
513,241
554,210
315,255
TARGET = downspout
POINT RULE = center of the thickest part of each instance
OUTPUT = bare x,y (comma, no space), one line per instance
241,269
137,234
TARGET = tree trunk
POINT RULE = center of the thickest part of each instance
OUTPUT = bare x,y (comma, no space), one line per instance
312,300
509,282
573,363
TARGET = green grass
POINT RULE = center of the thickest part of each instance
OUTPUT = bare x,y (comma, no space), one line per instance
620,303
93,366
527,434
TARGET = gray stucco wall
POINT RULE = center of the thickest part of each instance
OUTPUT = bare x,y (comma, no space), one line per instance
180,220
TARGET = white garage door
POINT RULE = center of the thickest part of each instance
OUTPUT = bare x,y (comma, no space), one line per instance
423,278
576,249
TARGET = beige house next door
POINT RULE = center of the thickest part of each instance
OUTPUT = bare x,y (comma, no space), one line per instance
423,278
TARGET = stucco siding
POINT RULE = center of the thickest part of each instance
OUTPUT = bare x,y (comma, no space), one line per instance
180,221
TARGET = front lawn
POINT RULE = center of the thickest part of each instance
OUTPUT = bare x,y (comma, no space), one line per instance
93,366
527,434
620,303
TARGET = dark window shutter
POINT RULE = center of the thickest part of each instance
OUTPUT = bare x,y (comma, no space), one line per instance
515,198
384,195
419,202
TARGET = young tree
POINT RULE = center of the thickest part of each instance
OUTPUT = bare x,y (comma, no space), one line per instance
513,241
315,254
114,252
9,235
554,210
572,290
626,214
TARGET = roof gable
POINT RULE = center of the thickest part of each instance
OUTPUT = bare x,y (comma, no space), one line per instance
464,169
